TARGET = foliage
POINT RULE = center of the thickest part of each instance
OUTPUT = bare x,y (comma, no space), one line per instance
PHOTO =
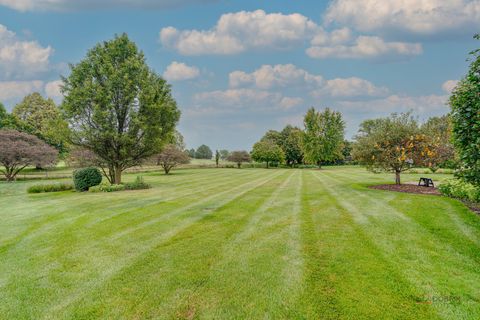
86,178
274,136
80,157
107,187
224,154
438,132
267,151
138,184
118,108
42,118
53,187
191,153
459,189
291,144
170,157
19,150
177,139
465,105
323,136
217,158
392,144
203,152
239,157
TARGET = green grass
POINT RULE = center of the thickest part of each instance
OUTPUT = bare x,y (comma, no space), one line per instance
239,244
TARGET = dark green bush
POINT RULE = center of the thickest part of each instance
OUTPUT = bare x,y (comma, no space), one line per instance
86,178
138,184
53,187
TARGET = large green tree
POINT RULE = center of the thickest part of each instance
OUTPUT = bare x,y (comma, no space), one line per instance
204,152
323,136
267,151
118,107
291,144
465,105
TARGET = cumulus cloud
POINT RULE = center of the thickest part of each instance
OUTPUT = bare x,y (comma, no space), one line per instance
350,87
363,47
17,89
21,58
66,5
449,85
425,17
237,32
178,71
52,89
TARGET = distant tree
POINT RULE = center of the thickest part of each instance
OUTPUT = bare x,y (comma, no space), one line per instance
191,153
170,157
118,107
347,151
438,132
291,144
19,150
217,157
177,140
323,136
465,105
42,118
203,152
3,115
274,136
224,154
391,144
267,151
239,157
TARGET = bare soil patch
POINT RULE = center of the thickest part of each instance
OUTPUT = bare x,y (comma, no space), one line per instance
407,188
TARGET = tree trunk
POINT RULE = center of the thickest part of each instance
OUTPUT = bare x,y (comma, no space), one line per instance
239,165
397,177
267,164
118,175
319,164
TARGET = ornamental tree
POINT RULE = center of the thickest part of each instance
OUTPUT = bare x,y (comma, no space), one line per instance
118,107
19,150
323,136
239,157
267,151
391,144
170,157
465,105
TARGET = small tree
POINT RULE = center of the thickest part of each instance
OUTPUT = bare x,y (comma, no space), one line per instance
323,136
203,152
170,157
239,157
19,150
217,158
465,105
267,151
391,144
224,154
191,153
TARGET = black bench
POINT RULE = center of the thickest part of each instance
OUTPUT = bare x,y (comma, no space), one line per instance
426,182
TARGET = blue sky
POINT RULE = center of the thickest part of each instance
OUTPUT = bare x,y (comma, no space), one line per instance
239,68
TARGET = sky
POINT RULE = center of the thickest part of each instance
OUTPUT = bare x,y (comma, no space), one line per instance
240,68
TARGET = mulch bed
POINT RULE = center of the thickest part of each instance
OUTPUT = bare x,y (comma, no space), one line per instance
407,188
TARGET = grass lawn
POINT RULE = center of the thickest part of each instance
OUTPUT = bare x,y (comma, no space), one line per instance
239,244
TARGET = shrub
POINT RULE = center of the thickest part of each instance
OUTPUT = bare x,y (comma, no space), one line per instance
138,184
86,178
459,189
53,187
106,187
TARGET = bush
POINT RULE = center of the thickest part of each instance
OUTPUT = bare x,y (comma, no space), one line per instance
459,189
86,178
138,184
106,187
53,187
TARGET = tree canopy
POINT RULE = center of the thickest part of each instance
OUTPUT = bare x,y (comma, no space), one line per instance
239,157
203,152
118,107
267,151
170,157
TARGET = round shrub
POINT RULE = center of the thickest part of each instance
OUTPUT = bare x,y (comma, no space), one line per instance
86,178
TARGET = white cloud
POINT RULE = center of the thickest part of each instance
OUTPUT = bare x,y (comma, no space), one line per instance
423,17
449,85
350,87
280,75
364,47
21,58
18,89
62,5
178,71
289,103
52,89
236,32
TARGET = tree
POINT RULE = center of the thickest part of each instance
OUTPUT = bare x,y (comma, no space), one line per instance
267,151
291,144
217,158
439,149
391,144
323,136
191,153
274,136
224,154
19,150
203,152
117,107
3,115
170,157
465,105
239,157
42,118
